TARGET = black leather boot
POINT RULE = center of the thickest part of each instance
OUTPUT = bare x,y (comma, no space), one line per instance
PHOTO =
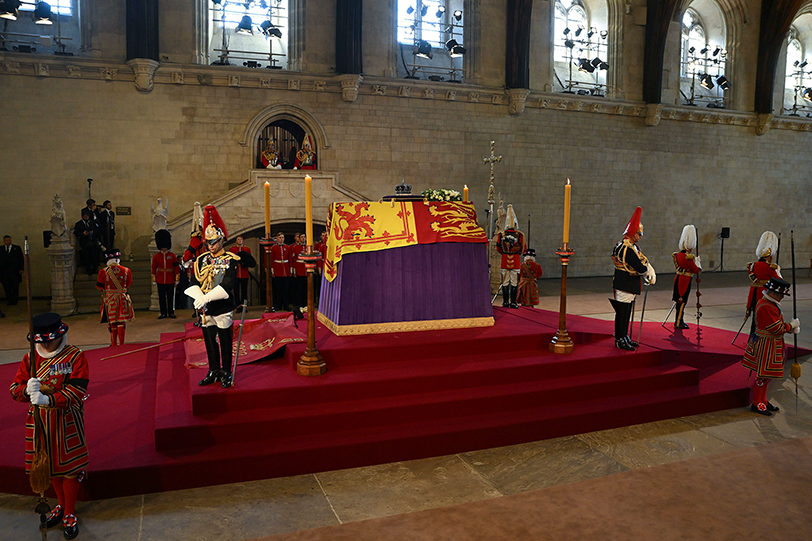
209,338
226,337
679,323
623,312
505,296
514,293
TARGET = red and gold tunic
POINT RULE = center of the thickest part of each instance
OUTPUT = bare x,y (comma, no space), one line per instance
320,247
63,420
299,268
280,260
165,267
765,356
760,273
511,244
114,281
686,267
528,288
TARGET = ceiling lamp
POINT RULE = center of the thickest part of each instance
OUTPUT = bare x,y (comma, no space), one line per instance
42,14
585,66
706,81
723,83
424,49
8,9
704,49
458,15
269,30
578,31
807,95
802,64
569,43
440,11
245,26
591,32
424,10
716,51
409,10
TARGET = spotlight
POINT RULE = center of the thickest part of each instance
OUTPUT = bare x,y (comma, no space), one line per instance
578,32
723,83
458,15
604,66
450,44
691,50
457,51
245,26
704,49
604,34
795,63
8,9
596,62
42,14
716,51
569,43
424,49
591,32
706,81
584,65
269,30
409,10
807,95
424,10
440,11
566,31
803,64
216,2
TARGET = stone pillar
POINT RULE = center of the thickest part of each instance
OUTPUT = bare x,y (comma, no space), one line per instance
61,254
154,303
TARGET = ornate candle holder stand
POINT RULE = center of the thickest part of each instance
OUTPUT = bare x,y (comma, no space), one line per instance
266,244
561,342
311,363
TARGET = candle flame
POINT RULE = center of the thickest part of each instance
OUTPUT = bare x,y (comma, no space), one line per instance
568,181
465,185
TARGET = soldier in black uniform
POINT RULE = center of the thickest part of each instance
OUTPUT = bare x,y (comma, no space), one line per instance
631,268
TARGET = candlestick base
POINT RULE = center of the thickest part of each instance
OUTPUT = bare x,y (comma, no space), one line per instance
311,364
561,342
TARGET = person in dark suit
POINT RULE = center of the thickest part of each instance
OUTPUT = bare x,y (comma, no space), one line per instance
12,265
107,224
87,236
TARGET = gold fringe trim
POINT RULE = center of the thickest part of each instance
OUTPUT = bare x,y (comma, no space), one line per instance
405,326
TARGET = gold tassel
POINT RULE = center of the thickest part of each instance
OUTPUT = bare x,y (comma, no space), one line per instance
40,476
795,371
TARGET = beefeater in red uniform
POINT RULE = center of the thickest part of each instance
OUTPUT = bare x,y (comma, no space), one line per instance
114,280
765,353
58,387
281,272
687,265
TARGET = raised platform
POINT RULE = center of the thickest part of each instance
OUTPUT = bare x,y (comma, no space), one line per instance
385,398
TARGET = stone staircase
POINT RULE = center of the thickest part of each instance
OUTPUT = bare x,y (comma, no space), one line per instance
88,298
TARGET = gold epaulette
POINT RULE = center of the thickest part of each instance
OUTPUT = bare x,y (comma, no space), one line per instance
620,260
754,281
680,270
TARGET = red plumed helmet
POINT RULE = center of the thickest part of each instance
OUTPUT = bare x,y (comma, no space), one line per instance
213,225
634,225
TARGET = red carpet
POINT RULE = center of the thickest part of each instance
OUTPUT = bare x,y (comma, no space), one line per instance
384,398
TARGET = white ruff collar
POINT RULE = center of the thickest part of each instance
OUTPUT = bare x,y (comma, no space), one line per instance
49,355
769,298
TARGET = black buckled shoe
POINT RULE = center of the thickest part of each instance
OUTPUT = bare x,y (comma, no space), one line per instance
54,518
71,527
770,407
765,412
212,377
681,325
623,343
226,378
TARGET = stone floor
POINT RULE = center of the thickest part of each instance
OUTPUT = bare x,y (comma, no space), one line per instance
260,508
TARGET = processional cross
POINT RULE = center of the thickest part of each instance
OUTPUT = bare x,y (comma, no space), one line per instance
492,159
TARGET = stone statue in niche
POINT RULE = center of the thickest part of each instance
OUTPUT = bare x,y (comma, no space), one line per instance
159,213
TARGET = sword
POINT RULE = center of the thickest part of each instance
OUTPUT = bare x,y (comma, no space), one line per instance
239,343
746,317
669,314
642,316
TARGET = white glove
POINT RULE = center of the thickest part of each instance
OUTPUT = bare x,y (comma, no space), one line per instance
650,277
216,294
698,262
795,325
194,291
32,386
39,399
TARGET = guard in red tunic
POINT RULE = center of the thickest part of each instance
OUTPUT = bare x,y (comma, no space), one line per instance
511,244
528,274
765,354
165,273
687,265
762,270
114,280
281,272
299,271
270,157
306,157
321,247
246,262
58,387
631,269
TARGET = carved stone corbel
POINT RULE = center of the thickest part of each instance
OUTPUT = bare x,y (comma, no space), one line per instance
144,70
763,123
517,97
654,112
349,86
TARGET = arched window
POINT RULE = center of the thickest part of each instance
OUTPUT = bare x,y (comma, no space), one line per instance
797,75
579,50
702,64
251,33
430,39
279,143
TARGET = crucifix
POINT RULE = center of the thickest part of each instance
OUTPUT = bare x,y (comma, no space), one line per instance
492,159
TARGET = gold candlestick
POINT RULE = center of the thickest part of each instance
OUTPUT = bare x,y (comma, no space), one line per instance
561,342
311,363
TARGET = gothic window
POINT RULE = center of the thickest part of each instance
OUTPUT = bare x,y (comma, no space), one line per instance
702,64
40,27
430,39
580,50
285,138
251,33
797,95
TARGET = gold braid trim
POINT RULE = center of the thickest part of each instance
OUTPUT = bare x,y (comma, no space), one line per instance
620,260
205,275
404,326
680,270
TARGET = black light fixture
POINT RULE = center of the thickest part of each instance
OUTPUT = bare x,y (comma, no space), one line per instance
716,51
424,49
704,49
458,15
585,66
8,9
42,14
566,31
410,10
578,31
596,62
807,95
424,10
591,32
691,50
706,81
440,11
450,44
245,26
569,43
604,34
723,83
603,66
803,64
269,30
